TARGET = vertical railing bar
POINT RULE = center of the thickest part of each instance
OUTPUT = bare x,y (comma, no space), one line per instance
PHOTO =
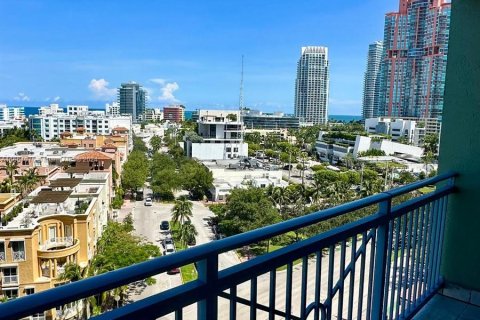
288,293
361,284
272,291
371,278
303,298
179,314
409,216
424,251
331,257
403,221
413,262
419,255
352,277
433,253
442,233
428,255
396,224
208,273
343,249
233,303
253,298
376,289
388,268
438,261
318,283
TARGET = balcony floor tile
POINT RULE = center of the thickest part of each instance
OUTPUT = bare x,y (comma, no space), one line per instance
444,308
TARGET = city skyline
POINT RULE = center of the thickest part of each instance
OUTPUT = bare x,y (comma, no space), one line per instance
79,55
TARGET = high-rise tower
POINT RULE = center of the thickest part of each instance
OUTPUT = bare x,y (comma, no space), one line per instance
132,99
414,64
312,85
370,82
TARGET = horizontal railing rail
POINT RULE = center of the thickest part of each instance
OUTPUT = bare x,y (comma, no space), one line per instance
55,242
391,266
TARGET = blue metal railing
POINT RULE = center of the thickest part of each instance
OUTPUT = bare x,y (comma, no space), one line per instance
382,266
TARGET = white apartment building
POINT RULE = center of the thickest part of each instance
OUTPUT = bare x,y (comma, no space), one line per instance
155,114
8,114
77,110
390,148
112,109
50,125
221,132
51,109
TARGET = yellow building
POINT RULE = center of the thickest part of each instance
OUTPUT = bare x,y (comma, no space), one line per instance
53,226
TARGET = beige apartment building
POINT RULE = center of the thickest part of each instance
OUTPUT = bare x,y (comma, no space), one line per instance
54,225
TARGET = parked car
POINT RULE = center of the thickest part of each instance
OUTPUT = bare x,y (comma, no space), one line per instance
167,241
169,249
173,271
148,202
164,226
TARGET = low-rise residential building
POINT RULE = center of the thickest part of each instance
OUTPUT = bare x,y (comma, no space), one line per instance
51,227
406,129
174,113
363,144
227,175
11,113
113,143
333,150
112,109
51,123
220,136
153,114
254,119
6,126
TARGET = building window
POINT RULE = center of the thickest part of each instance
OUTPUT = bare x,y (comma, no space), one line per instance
18,250
10,276
29,291
235,149
229,149
2,252
10,293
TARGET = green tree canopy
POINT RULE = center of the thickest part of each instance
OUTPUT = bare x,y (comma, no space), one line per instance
156,143
247,209
196,178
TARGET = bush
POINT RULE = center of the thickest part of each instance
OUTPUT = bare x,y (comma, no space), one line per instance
6,218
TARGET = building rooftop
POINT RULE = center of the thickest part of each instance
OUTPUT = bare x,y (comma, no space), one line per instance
65,182
92,155
49,196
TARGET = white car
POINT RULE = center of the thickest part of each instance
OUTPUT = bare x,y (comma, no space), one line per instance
169,249
148,202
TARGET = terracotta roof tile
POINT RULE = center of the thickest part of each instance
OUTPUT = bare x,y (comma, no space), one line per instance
92,155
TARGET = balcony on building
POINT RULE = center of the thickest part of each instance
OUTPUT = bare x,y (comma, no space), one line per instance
413,259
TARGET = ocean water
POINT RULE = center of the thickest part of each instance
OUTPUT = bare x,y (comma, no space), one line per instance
344,118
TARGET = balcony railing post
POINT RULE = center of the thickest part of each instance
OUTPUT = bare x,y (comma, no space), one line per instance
208,273
378,292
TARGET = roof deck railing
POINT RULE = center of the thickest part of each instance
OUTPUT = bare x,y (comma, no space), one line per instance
382,266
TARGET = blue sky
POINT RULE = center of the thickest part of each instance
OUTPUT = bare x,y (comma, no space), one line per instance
182,51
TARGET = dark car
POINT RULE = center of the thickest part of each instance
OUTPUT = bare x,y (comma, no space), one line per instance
173,271
165,226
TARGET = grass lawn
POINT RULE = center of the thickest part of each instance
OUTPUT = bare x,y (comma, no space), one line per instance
188,272
426,189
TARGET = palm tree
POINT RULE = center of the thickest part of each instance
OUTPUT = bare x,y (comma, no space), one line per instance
72,272
7,185
32,178
182,210
11,167
188,233
316,191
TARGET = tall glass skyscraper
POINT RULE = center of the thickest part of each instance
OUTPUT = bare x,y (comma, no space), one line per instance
414,64
312,85
370,81
132,99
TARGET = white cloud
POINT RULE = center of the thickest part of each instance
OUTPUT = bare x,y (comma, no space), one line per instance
167,90
21,97
101,90
57,98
